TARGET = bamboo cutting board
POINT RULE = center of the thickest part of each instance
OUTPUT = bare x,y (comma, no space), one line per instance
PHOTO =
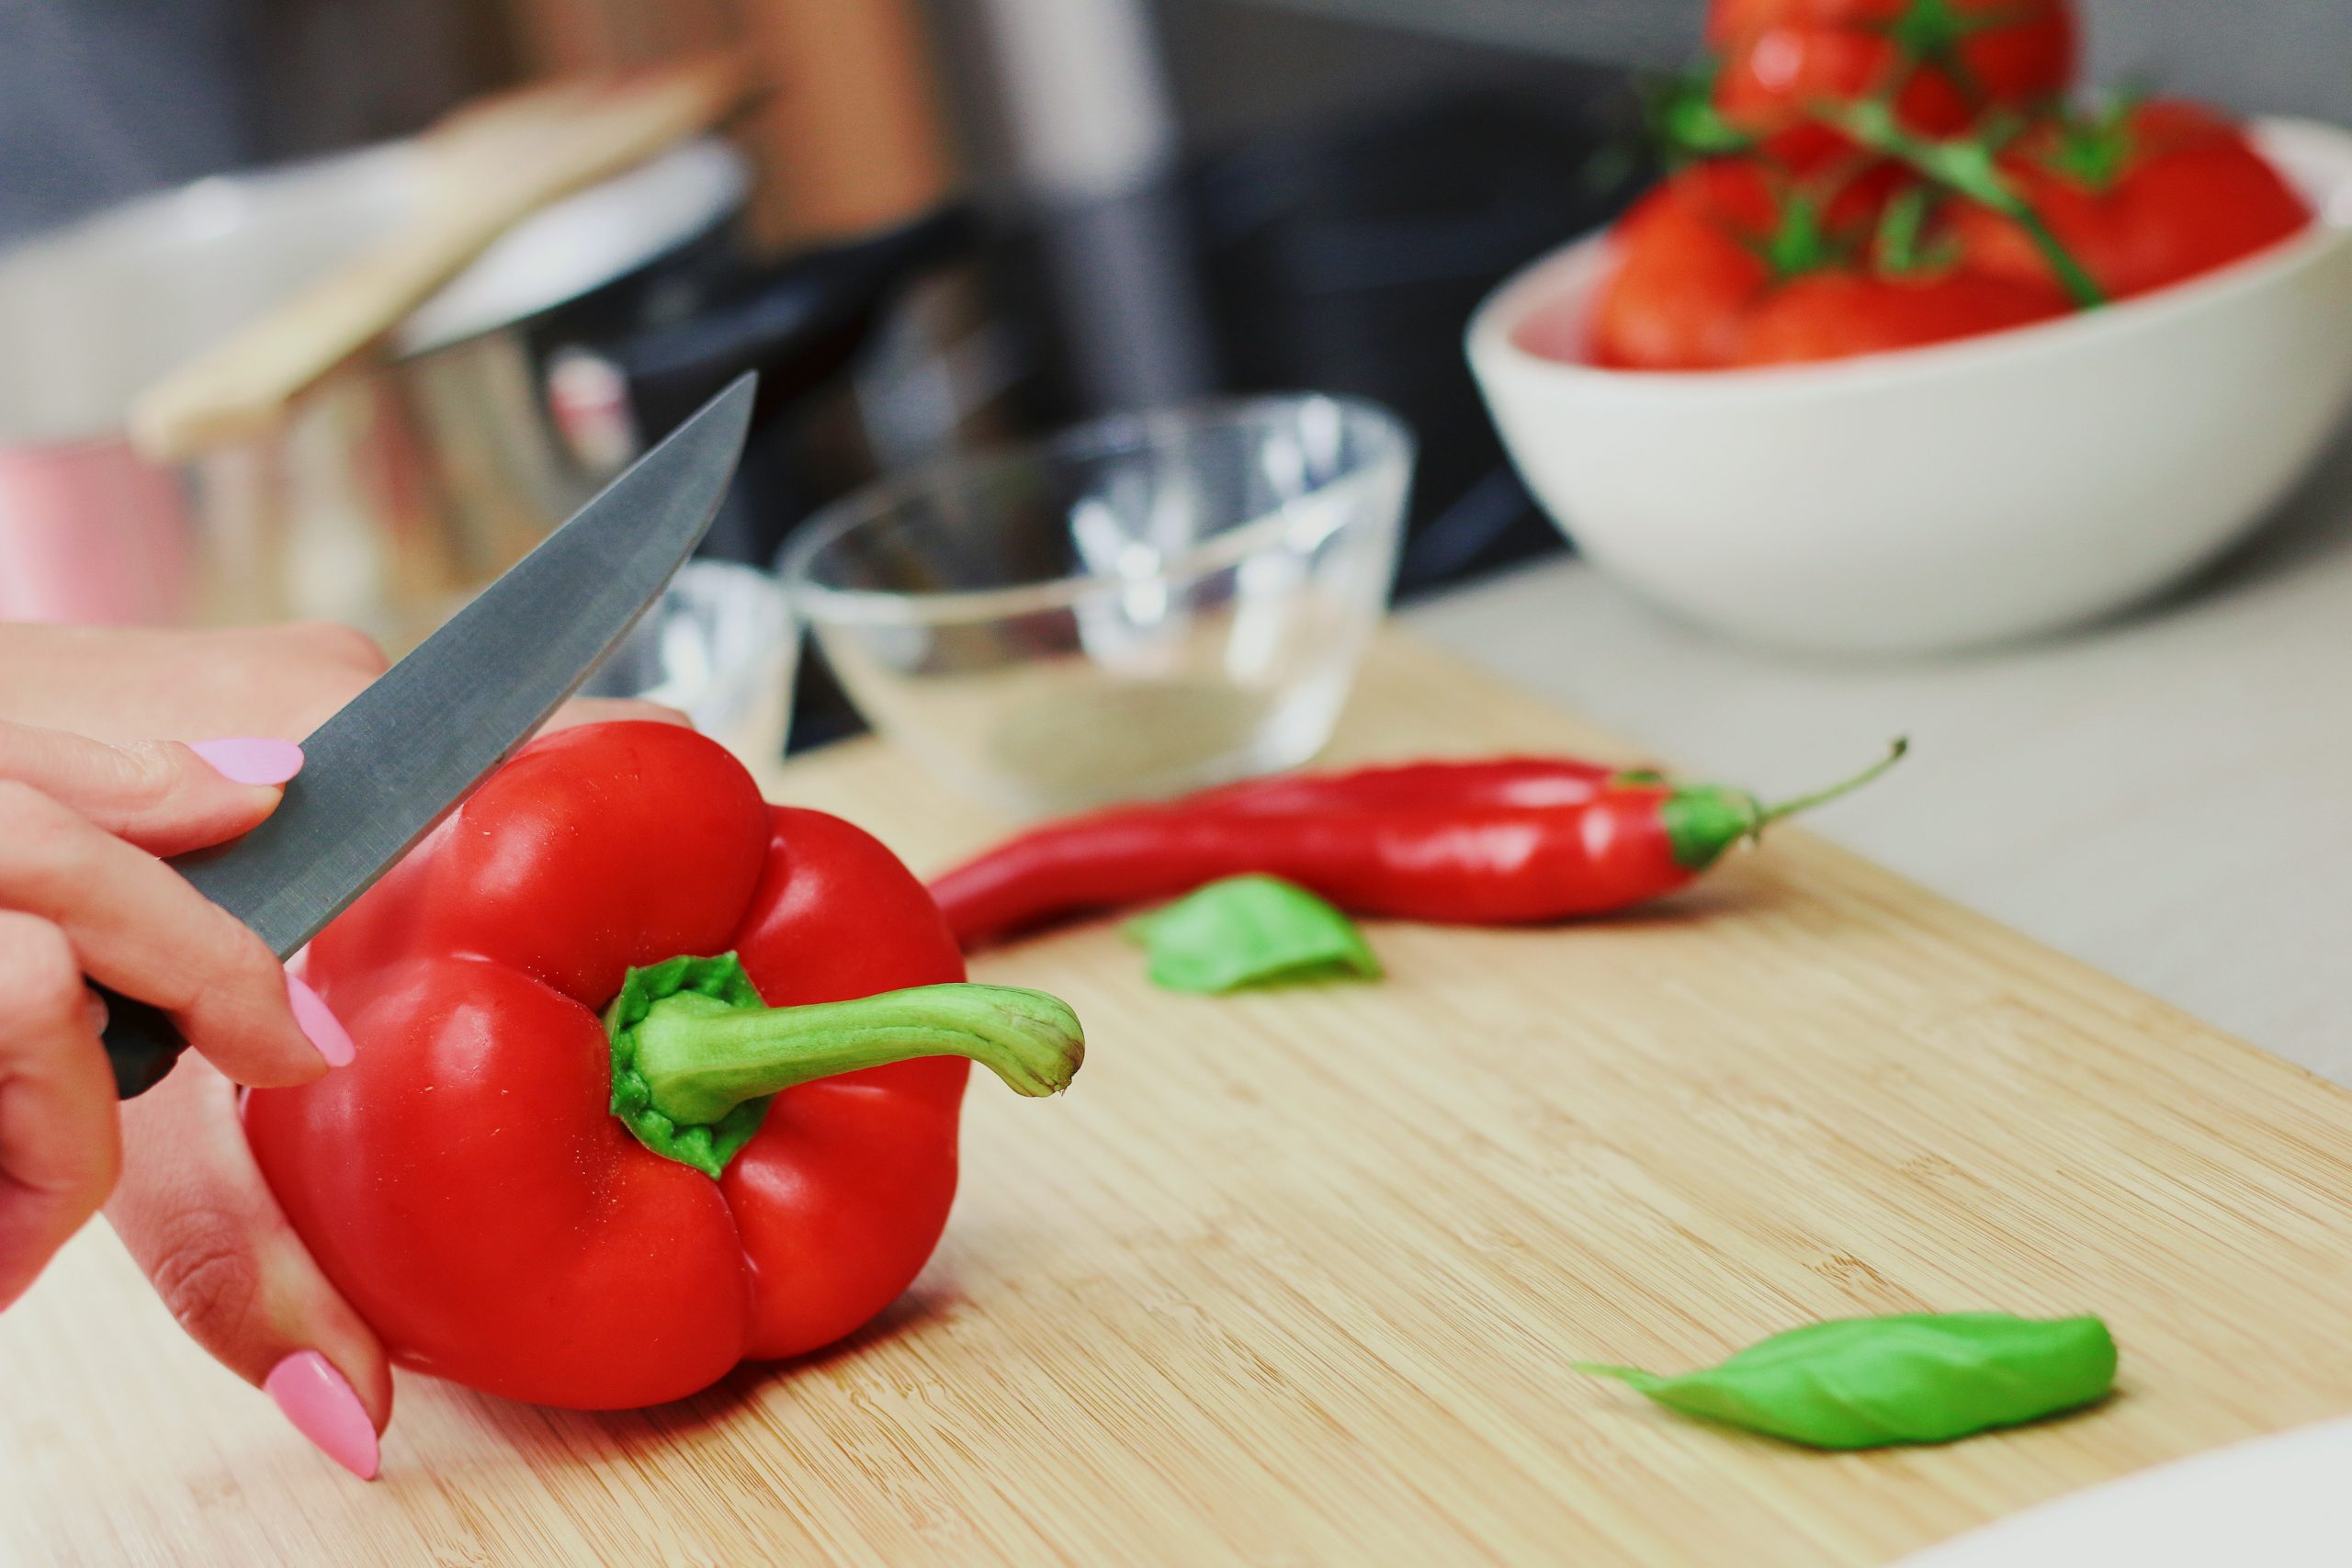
1293,1278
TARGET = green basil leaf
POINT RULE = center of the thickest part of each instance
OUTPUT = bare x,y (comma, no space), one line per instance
1250,930
1867,1383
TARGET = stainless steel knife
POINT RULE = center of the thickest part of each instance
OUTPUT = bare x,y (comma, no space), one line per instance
378,776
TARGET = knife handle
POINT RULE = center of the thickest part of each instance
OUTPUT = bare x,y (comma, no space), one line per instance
141,1042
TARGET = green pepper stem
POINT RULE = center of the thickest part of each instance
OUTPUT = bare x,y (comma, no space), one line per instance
1895,753
701,1057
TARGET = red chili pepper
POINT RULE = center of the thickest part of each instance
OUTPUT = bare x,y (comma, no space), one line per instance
603,1214
1499,781
1468,843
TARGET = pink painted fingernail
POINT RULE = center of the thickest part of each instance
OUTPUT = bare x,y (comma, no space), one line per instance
323,1409
251,761
324,1030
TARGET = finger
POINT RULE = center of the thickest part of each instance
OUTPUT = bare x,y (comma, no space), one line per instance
135,925
164,797
125,683
335,663
609,710
196,1214
59,1148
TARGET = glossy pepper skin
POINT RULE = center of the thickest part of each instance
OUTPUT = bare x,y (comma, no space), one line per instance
1491,781
465,1181
1502,842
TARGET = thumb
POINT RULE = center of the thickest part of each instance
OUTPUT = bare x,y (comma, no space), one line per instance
192,1210
162,796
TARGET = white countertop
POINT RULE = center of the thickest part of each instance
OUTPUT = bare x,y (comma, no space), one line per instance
2168,796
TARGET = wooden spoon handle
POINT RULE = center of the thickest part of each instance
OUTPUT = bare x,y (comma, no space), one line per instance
489,166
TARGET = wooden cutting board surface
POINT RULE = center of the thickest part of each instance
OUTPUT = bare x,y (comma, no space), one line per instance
1295,1278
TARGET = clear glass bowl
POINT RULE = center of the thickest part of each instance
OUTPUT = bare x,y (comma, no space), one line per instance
1138,606
720,647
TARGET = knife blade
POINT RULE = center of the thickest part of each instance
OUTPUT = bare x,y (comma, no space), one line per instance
378,776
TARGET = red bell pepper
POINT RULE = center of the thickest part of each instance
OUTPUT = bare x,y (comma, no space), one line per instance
522,1198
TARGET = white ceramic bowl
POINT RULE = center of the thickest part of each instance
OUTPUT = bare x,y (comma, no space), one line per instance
1961,494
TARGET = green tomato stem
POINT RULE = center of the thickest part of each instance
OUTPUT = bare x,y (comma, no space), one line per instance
1967,167
2080,285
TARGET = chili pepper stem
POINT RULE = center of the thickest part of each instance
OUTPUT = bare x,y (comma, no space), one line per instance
1895,753
702,1058
1702,821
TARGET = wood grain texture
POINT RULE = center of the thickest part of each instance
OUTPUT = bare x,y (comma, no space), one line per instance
1293,1278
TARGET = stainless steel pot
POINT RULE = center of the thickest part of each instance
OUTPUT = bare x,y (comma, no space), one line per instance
404,484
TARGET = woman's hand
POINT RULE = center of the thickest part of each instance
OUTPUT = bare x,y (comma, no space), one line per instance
125,684
190,1205
82,894
204,1228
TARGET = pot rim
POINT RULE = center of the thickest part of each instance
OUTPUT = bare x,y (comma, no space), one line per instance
667,204
608,231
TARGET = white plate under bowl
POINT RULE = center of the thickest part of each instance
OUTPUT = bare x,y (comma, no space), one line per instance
2283,1502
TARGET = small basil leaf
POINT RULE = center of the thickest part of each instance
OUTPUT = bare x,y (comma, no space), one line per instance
1250,930
1866,1382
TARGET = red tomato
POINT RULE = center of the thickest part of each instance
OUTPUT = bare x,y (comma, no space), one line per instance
1694,257
1687,265
2170,191
1841,315
1782,57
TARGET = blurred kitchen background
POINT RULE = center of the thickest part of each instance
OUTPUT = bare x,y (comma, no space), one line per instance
1174,197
